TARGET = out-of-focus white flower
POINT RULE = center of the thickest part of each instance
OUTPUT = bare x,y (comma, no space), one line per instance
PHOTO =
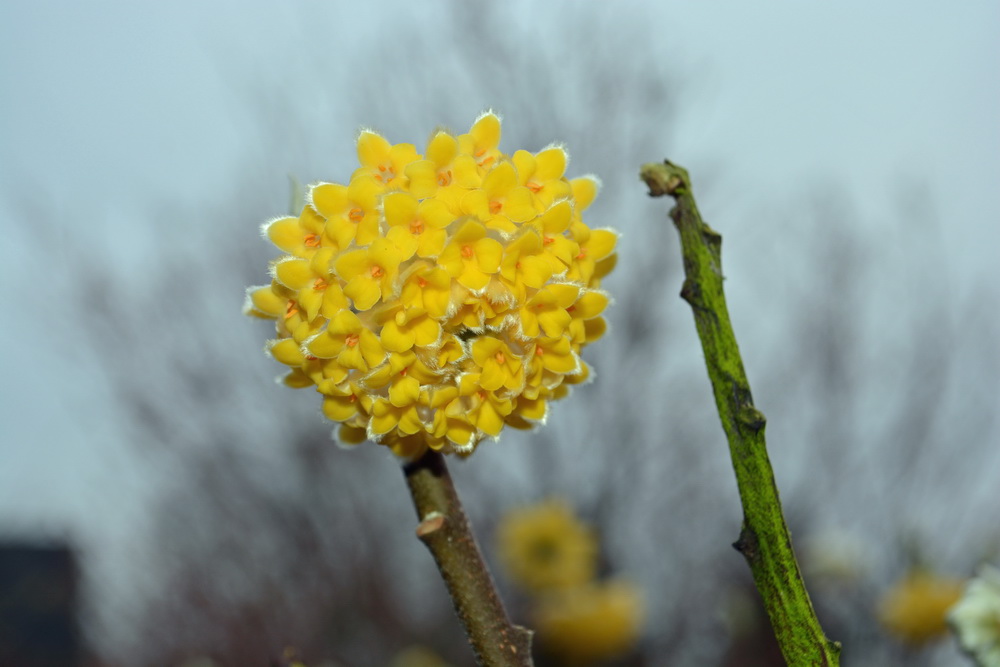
976,618
834,558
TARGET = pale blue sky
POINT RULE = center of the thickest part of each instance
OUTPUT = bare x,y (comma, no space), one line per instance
110,108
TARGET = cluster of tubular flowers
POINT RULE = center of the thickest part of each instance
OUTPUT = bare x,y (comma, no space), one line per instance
915,609
437,297
545,547
548,552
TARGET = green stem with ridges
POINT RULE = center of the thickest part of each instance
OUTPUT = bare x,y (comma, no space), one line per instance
764,539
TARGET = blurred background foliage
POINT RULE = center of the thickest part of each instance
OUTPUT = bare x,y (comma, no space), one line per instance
876,368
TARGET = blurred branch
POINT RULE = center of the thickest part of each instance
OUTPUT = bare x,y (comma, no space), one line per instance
445,530
764,539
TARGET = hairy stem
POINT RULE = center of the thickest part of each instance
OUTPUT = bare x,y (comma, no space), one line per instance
764,539
445,530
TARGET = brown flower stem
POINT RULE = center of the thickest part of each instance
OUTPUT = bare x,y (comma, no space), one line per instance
764,539
445,530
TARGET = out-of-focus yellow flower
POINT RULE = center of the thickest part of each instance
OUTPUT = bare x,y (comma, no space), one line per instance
544,547
976,618
914,610
437,297
418,656
589,623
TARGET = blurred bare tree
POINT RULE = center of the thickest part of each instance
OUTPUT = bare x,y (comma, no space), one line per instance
876,378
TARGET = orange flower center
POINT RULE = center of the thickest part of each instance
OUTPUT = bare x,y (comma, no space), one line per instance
583,253
534,187
291,310
319,284
417,226
386,173
351,340
421,282
485,160
495,207
356,215
377,271
501,359
467,251
548,240
444,178
311,240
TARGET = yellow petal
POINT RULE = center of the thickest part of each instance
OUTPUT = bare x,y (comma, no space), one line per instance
422,177
352,263
404,392
472,278
324,346
564,294
524,162
286,233
535,271
489,420
345,322
396,338
486,131
371,348
520,205
501,179
556,219
489,252
364,191
363,291
585,190
266,301
329,199
339,408
399,208
435,213
441,149
551,164
591,304
484,347
384,417
293,273
431,242
373,149
405,241
287,351
426,332
602,242
409,422
554,322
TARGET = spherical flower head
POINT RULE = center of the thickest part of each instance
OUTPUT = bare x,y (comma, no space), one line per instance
589,623
545,547
914,610
437,297
976,618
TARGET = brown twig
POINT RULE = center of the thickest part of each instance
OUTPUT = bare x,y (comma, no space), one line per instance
445,530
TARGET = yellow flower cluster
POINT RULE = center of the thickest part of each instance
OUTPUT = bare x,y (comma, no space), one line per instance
915,609
550,553
590,623
437,297
545,547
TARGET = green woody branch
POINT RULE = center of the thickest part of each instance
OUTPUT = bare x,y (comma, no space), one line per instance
764,539
444,529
